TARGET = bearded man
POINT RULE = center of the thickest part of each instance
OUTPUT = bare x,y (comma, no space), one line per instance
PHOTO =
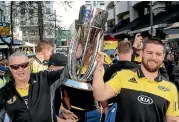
142,95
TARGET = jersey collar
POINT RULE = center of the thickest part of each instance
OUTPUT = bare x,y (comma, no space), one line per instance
140,74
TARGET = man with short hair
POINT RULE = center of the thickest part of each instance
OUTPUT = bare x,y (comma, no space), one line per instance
43,53
124,51
27,98
142,94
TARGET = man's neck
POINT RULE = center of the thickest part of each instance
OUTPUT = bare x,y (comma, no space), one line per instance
21,84
40,56
124,58
147,74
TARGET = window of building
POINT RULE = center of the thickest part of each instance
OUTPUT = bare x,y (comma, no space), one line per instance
101,4
49,32
31,3
32,33
23,22
31,11
3,18
47,2
22,4
1,15
94,3
23,11
48,11
31,22
88,4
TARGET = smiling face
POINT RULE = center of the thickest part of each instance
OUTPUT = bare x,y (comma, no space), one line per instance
152,57
19,67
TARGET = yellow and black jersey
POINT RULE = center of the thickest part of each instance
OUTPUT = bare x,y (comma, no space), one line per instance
107,59
142,100
24,94
138,59
36,65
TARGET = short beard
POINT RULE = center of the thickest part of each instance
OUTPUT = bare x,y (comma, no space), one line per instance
149,69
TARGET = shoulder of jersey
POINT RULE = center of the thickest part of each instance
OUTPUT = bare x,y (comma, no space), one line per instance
171,84
124,73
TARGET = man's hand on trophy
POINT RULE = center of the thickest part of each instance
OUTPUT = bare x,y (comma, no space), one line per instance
100,61
69,115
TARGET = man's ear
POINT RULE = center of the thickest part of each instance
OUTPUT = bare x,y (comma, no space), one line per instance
132,51
44,52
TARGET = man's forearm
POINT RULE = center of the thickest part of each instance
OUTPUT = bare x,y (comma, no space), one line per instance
98,85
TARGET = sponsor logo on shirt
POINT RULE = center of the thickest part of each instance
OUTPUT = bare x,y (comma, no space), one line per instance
163,88
12,100
133,80
145,99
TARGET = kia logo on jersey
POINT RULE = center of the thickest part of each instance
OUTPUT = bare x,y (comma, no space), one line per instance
145,99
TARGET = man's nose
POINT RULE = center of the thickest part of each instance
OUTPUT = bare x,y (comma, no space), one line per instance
20,69
154,56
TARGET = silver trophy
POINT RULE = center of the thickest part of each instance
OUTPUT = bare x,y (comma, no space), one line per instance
90,31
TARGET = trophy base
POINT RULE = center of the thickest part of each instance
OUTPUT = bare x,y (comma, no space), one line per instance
78,85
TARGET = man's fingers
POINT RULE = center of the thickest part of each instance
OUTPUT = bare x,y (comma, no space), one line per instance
68,112
74,116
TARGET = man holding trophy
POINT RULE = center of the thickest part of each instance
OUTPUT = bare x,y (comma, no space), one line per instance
77,90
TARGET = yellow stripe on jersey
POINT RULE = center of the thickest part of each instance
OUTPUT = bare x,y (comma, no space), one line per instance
128,79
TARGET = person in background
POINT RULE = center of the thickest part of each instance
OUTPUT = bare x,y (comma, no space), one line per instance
169,63
4,79
137,47
58,61
175,74
124,51
43,53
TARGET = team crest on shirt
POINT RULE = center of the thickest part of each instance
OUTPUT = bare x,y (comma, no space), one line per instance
163,88
133,80
12,100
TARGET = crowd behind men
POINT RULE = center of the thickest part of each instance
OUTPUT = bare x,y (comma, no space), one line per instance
134,88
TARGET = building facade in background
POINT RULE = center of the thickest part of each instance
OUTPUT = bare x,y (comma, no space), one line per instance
99,4
131,11
27,21
63,37
3,13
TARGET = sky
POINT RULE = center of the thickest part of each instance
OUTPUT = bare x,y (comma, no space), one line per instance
70,15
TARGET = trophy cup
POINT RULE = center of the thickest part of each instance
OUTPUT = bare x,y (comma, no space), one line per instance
90,31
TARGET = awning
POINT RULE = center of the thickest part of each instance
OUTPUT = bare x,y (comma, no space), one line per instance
117,27
160,20
126,29
171,31
8,40
27,44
